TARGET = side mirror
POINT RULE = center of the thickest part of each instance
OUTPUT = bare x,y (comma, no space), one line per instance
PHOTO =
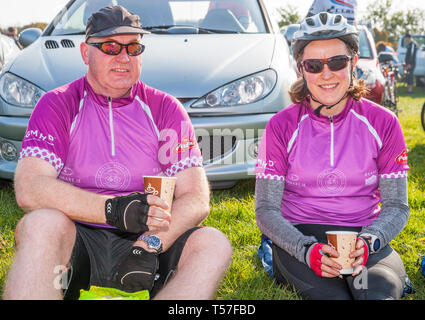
29,35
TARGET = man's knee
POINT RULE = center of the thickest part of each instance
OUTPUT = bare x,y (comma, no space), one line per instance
44,225
211,242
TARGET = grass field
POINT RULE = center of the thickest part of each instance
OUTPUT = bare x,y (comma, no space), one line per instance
232,211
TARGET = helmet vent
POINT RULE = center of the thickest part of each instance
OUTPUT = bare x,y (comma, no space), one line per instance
310,22
338,18
323,17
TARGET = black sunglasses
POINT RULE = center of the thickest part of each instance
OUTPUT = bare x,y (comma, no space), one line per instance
334,63
114,48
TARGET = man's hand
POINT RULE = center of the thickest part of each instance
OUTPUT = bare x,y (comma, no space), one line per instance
137,271
137,213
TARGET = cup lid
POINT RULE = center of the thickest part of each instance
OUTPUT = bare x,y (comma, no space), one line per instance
341,232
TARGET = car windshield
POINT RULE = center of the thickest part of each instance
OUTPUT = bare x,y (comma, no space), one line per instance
364,47
170,16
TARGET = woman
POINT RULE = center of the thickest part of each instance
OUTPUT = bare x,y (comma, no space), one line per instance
325,163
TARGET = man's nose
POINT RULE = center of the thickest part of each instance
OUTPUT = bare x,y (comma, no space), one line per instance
123,55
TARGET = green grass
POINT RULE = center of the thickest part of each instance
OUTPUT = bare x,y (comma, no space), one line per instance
232,211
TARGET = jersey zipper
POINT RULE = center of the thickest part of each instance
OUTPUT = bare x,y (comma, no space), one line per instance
111,127
332,141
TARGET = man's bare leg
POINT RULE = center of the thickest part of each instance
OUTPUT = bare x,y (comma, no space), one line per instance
44,242
202,265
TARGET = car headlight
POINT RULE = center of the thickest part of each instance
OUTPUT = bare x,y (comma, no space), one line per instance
8,151
19,92
368,75
242,91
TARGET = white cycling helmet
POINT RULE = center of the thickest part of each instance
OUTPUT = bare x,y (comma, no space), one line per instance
323,26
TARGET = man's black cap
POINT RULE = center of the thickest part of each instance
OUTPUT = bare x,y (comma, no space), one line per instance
113,20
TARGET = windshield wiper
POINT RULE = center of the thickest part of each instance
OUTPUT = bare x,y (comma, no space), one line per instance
73,33
182,29
209,30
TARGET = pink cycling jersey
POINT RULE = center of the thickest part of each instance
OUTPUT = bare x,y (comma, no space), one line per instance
107,145
331,165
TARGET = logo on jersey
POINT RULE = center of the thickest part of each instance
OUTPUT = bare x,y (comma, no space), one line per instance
39,136
331,181
401,158
184,145
112,176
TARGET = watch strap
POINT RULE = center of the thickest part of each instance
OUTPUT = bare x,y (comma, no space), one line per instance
372,241
146,239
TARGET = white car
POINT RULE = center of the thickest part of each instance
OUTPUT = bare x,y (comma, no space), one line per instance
226,61
8,50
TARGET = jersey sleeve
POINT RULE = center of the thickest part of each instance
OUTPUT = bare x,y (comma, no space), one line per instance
392,157
46,136
272,159
178,146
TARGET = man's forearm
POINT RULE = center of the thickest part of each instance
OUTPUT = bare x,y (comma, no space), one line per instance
41,191
188,211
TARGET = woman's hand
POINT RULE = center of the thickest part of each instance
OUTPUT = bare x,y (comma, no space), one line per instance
319,260
360,255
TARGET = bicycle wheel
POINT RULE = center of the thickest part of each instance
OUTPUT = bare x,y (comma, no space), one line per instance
423,117
394,99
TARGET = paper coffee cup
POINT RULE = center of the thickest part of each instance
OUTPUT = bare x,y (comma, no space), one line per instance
344,242
160,186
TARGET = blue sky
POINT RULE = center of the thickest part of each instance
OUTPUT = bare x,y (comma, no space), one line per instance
22,12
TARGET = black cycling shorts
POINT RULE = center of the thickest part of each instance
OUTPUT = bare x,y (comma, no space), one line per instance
97,253
383,278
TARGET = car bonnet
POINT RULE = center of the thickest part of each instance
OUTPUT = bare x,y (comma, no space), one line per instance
186,66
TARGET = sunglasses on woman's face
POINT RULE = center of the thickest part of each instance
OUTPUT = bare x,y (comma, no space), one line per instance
114,48
334,63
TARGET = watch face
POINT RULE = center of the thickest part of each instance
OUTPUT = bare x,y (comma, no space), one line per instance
376,245
154,242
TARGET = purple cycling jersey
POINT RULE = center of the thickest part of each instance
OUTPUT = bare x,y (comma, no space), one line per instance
331,165
107,145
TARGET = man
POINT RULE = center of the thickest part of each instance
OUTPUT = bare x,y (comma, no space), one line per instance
87,146
12,32
410,61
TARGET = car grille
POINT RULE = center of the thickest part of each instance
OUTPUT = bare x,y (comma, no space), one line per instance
66,43
214,148
51,44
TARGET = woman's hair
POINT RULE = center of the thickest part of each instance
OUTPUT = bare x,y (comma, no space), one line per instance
298,91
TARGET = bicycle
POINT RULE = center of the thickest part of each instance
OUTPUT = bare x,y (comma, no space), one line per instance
389,71
423,116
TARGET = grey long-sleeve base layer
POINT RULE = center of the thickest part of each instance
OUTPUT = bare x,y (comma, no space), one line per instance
268,201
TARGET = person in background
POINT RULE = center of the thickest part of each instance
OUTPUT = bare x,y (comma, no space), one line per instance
410,60
381,46
13,33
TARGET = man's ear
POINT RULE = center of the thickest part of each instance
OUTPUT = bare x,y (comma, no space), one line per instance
84,50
